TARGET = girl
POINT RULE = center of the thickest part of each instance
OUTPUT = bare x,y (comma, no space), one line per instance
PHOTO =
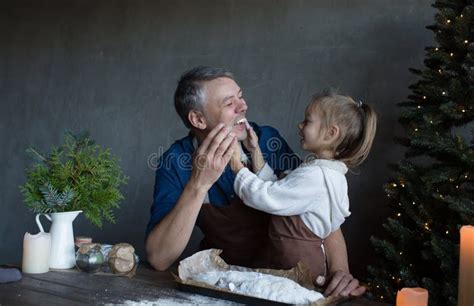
311,201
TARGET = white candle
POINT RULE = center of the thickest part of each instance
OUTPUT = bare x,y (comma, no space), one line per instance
412,297
36,249
466,266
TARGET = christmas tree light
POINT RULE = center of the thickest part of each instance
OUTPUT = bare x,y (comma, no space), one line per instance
432,190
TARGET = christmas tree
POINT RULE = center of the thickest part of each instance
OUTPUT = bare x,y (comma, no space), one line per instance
431,190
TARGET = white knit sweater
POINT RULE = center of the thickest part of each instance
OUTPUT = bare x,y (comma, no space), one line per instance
316,191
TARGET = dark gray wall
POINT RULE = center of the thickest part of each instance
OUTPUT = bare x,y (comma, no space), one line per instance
111,67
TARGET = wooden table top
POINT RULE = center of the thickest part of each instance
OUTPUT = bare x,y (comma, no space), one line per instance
146,287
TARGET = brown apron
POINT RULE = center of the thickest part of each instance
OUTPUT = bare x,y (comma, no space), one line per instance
254,239
240,231
290,241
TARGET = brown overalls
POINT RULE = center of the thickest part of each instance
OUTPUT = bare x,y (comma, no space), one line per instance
254,239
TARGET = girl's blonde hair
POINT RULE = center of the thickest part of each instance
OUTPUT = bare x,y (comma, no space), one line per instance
357,123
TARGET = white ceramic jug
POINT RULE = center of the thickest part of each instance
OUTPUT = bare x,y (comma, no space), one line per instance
62,255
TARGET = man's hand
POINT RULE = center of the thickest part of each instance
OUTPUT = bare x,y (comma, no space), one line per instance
340,283
212,156
170,236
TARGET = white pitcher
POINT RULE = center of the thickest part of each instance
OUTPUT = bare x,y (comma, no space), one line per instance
62,240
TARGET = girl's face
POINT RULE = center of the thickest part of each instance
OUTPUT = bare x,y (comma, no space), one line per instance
314,137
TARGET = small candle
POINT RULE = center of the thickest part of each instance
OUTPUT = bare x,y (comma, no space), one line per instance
36,249
466,266
80,240
412,297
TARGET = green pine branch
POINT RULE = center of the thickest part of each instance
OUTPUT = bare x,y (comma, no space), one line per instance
78,175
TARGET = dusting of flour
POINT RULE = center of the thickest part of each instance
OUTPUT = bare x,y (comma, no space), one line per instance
180,299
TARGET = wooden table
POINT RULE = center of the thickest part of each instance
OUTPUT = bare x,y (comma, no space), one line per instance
148,286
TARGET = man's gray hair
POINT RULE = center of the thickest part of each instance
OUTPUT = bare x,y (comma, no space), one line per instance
189,94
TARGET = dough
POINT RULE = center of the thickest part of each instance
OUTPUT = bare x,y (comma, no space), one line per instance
260,285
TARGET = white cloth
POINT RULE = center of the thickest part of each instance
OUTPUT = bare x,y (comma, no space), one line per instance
316,191
265,286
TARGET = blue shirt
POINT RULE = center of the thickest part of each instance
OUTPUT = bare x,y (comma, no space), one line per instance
175,165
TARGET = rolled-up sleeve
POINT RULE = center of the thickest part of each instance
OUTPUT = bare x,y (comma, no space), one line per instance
166,192
267,173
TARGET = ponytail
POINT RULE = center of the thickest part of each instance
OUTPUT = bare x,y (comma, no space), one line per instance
356,153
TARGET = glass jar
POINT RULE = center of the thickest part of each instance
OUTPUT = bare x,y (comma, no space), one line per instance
89,258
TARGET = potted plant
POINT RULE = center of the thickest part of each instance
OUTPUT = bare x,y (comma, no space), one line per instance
79,176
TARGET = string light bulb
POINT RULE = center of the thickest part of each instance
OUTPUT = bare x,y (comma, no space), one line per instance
451,54
448,21
465,41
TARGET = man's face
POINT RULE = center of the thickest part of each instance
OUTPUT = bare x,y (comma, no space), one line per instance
224,103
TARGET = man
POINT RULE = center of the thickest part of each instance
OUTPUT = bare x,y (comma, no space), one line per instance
211,105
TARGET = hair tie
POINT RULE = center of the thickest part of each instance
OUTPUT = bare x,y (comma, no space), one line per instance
359,104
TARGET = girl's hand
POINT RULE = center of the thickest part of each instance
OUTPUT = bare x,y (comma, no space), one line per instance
251,142
235,162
